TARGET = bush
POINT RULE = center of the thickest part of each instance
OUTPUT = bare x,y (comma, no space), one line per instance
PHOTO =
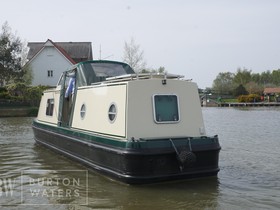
21,92
33,111
33,94
4,95
16,89
240,90
249,98
3,89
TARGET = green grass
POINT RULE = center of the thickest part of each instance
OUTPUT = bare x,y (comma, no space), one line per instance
231,100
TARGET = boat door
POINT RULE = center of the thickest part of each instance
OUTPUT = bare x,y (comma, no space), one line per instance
67,98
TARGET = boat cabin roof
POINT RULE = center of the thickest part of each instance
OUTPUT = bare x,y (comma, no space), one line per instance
89,72
93,72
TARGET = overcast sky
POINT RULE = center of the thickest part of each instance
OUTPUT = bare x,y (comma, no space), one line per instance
195,38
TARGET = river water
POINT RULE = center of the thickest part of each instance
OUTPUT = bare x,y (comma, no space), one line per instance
32,177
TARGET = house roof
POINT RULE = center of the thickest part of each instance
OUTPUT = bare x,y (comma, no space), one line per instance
271,90
73,51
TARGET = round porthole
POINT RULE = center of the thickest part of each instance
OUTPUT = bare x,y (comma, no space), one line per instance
83,111
112,113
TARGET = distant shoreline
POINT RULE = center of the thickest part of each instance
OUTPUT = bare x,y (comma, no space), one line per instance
242,104
33,111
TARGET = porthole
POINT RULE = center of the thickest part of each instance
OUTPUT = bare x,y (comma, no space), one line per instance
112,113
83,111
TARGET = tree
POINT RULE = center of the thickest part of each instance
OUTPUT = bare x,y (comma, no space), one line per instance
242,77
27,74
276,77
160,70
254,88
223,84
10,55
265,78
256,77
240,90
134,56
254,82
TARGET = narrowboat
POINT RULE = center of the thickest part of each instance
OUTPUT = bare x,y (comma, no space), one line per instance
135,128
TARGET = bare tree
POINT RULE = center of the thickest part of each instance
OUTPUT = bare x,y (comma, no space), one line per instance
27,72
134,56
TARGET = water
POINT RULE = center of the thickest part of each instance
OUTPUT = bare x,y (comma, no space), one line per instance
249,176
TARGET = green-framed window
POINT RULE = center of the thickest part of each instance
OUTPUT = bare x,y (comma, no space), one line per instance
166,108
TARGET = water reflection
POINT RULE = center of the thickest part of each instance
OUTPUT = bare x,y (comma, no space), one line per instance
184,195
109,194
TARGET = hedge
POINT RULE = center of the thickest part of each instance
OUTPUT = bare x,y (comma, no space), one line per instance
249,98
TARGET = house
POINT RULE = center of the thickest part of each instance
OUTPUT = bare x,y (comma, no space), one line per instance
272,91
49,59
272,94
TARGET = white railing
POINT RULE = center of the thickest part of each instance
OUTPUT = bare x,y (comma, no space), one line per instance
128,77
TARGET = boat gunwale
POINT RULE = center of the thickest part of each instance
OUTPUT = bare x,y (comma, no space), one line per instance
146,145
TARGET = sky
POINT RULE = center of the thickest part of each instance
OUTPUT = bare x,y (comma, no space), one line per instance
195,38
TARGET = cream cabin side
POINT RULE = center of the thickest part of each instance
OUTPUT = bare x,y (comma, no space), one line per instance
177,101
49,106
101,109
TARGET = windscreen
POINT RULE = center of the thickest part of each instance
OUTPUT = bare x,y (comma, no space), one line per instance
98,72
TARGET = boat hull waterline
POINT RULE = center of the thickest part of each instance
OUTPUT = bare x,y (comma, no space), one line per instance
138,162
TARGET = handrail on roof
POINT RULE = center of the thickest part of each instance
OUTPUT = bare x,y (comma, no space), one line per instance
144,76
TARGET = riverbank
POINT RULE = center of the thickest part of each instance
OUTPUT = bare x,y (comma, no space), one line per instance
242,104
257,104
18,108
18,111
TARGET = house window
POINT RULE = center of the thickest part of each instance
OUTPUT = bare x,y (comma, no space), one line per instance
50,106
166,108
50,73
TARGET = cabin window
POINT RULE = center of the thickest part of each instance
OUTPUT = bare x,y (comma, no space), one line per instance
166,108
83,111
112,113
50,106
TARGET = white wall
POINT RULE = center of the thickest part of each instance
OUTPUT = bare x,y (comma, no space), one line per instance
48,59
140,121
